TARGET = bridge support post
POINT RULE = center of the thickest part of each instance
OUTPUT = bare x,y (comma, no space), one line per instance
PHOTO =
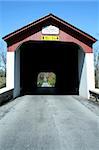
10,71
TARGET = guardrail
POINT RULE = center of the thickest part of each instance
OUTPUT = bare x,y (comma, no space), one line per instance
6,96
94,94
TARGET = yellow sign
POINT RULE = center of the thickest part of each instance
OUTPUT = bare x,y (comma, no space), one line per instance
50,38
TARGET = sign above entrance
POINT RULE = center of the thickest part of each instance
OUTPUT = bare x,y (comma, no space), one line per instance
50,38
50,30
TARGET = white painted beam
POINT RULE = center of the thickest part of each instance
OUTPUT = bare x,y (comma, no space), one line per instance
10,70
90,72
87,79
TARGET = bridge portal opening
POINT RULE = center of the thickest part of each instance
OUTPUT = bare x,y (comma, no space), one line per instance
46,79
60,58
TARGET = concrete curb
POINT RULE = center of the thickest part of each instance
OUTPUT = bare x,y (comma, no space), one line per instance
6,96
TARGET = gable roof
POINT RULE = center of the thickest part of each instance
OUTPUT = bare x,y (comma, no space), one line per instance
48,20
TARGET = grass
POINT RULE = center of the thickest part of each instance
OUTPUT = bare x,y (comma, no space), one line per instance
2,82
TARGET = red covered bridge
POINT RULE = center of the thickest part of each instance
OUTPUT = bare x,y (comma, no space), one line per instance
50,44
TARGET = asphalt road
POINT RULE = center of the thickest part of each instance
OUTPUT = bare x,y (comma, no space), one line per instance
48,123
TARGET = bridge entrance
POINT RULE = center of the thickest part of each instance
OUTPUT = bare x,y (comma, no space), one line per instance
59,58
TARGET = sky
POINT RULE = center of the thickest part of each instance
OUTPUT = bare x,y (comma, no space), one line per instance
84,14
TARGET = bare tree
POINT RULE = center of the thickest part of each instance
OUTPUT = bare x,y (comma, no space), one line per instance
3,48
2,59
96,62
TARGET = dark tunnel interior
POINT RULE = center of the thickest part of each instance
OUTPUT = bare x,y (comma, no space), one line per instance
49,56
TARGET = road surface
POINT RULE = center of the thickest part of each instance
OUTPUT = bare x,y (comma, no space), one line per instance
48,123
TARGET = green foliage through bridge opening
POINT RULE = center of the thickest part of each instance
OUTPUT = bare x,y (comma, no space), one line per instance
46,79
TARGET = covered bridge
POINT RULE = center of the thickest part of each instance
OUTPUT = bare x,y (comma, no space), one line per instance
50,44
